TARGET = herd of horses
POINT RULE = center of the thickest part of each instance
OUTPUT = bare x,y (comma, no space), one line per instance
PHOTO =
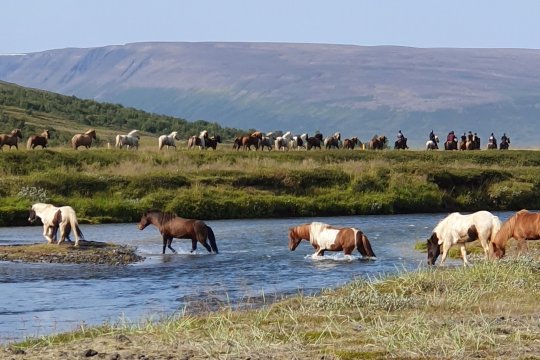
256,140
455,229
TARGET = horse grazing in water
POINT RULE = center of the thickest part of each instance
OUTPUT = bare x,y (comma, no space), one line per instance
11,139
351,143
459,229
131,140
53,218
168,140
324,237
83,139
38,140
171,226
522,226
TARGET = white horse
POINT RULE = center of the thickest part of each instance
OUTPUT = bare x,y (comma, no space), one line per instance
54,218
299,141
267,141
168,140
131,140
459,229
282,142
432,144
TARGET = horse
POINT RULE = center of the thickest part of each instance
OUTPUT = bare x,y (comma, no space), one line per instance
473,142
459,229
282,142
505,144
333,141
492,145
171,226
249,140
267,141
212,142
53,218
432,144
521,226
168,140
83,139
38,140
298,141
203,135
314,141
351,143
11,139
324,237
194,141
401,144
377,142
131,140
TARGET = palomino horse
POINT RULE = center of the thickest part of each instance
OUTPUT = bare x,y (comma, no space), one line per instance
38,140
53,218
168,140
522,226
83,139
324,237
351,143
131,140
11,139
459,229
377,142
432,144
171,226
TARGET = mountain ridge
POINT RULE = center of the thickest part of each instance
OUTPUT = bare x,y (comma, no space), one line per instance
303,87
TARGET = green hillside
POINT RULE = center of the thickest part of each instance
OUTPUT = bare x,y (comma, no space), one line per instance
34,110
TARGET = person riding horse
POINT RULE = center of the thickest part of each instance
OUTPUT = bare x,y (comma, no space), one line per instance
432,136
451,141
492,139
505,142
401,142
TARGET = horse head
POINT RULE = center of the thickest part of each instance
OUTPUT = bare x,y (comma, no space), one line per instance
434,249
145,221
294,238
17,132
497,252
32,215
46,134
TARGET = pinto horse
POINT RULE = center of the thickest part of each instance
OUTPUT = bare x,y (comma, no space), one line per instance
38,140
522,226
131,140
459,229
83,139
11,139
324,237
53,217
377,142
171,226
212,142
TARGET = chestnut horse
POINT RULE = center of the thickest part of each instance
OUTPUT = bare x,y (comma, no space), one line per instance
522,226
83,139
377,142
11,139
38,140
325,237
351,143
459,229
171,226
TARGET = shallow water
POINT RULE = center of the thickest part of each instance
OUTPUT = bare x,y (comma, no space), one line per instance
254,263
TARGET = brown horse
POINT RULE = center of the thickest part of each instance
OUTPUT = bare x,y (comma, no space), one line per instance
11,139
351,143
38,140
171,226
324,237
251,140
377,142
522,226
314,141
83,139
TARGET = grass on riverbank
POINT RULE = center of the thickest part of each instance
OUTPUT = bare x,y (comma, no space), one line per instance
486,311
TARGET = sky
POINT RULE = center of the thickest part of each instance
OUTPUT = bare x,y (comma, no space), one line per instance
38,25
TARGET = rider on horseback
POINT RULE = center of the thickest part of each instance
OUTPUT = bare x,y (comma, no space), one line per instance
451,137
432,136
492,139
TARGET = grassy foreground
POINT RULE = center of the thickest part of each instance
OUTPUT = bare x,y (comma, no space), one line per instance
487,311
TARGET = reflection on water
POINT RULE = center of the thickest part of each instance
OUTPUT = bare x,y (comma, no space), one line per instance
254,264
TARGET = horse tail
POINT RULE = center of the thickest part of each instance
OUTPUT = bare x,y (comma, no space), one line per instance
363,245
29,143
117,144
212,239
72,218
160,143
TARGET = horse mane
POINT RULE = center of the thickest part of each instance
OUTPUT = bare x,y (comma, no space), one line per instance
163,217
133,133
302,231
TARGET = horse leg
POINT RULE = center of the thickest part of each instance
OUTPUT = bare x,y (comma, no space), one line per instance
169,242
464,255
46,233
193,244
444,254
319,253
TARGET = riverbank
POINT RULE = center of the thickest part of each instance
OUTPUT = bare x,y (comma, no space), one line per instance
111,185
485,311
88,252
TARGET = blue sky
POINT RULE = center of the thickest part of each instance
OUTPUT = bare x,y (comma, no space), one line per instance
36,25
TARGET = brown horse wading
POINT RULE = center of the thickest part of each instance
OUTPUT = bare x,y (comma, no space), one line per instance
521,226
171,226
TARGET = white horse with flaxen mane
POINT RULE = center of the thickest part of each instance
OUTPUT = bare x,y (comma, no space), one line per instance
168,140
131,140
54,218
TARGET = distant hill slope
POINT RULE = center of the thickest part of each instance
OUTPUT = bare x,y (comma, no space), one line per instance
304,87
35,110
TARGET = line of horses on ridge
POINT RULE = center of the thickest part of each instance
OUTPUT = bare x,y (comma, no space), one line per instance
455,229
272,140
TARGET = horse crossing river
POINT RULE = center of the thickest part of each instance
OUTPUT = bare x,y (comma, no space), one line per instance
254,262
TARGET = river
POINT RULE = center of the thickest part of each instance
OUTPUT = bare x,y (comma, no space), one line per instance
254,263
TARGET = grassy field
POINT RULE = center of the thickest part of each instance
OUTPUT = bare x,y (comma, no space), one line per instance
112,185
